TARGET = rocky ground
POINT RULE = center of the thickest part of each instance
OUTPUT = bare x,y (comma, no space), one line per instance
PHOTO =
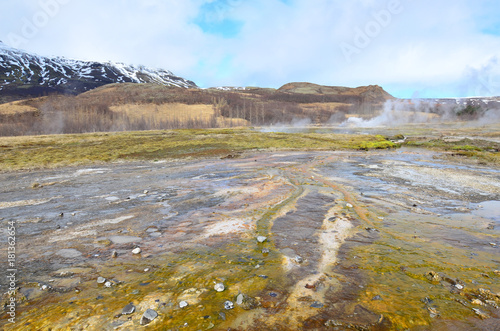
401,239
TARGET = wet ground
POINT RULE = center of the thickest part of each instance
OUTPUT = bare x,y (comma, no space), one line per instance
385,240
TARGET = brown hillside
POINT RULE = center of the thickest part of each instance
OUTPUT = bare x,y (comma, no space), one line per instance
371,93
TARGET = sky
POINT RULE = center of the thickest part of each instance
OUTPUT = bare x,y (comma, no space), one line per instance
424,48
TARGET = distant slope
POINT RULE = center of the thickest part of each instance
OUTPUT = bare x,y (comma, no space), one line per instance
24,75
371,93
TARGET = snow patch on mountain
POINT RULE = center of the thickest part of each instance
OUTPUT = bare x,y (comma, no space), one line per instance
20,68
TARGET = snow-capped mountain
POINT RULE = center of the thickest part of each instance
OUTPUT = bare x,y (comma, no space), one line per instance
25,74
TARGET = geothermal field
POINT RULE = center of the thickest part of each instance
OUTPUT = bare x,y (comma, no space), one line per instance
295,238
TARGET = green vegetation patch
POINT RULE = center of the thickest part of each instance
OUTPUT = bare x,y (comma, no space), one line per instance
62,150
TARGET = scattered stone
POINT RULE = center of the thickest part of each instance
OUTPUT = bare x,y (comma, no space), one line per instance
317,304
492,303
459,286
298,259
183,304
228,305
219,287
265,250
433,312
222,316
477,302
433,276
263,276
128,309
493,244
246,302
427,300
261,239
332,219
480,313
146,191
148,316
45,287
378,298
136,251
146,270
108,284
310,287
273,294
348,205
114,254
101,280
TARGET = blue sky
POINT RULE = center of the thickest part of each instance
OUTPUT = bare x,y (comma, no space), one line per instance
411,48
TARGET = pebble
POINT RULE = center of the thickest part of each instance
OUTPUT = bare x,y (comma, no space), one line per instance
377,297
261,239
265,250
239,299
146,270
228,305
148,316
219,287
317,304
114,254
477,302
44,287
479,313
128,309
108,284
222,316
183,304
298,259
101,280
348,205
136,250
460,287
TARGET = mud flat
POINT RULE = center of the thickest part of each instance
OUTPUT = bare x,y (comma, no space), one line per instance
378,240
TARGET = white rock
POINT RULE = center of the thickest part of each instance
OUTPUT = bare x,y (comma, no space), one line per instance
108,284
261,239
348,205
136,250
183,304
219,287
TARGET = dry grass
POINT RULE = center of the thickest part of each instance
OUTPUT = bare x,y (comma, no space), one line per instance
30,152
16,107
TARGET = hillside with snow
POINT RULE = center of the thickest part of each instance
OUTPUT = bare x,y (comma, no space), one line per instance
24,74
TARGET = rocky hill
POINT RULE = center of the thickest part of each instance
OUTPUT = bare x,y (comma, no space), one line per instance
371,93
23,74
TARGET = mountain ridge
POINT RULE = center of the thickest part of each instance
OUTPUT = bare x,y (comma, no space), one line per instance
23,74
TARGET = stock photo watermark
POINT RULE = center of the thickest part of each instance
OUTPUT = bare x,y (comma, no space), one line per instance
11,271
220,10
31,26
363,36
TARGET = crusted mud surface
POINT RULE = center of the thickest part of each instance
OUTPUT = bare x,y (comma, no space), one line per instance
347,240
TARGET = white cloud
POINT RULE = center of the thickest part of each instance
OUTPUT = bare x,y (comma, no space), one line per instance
428,46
